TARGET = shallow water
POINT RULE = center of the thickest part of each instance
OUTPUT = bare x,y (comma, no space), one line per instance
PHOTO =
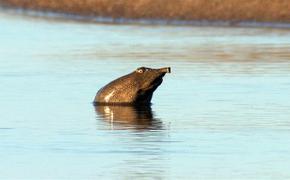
223,113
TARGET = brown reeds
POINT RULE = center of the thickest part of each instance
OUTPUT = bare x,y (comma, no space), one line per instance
228,10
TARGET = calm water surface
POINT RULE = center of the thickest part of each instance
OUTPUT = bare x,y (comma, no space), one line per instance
223,113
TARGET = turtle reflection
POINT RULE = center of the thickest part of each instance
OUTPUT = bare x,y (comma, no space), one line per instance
129,117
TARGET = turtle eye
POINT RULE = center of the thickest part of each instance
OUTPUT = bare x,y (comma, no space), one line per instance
141,70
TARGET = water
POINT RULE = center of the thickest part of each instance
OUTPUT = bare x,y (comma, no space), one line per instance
223,113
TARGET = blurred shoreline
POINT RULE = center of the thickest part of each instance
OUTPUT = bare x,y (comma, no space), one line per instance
247,13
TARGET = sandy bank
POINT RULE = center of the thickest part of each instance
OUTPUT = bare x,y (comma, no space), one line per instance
212,10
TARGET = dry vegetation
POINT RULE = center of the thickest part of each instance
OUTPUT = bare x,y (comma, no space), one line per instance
233,10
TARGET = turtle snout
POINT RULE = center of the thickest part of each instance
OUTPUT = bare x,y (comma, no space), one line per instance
165,70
